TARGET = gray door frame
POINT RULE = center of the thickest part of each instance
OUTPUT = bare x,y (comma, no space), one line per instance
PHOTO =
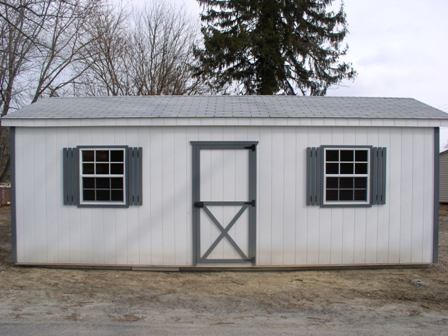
199,205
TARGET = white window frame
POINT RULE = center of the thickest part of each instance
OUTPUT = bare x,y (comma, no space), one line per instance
82,175
325,175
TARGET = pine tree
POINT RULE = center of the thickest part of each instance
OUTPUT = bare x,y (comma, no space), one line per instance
273,46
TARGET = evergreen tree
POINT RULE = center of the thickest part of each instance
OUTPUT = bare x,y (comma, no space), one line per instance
273,46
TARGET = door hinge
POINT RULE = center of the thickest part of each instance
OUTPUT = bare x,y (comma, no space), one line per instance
251,147
251,203
198,204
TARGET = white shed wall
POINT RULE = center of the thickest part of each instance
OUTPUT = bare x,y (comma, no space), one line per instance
444,177
288,231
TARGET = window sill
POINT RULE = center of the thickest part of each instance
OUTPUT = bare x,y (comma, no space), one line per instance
103,205
352,205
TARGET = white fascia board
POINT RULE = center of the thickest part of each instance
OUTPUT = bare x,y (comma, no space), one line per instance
338,122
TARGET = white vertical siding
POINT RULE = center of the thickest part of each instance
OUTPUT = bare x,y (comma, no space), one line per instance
382,245
288,232
224,177
289,197
360,229
264,208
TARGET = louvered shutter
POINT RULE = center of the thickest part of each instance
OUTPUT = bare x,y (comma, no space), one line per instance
134,173
378,175
314,176
71,176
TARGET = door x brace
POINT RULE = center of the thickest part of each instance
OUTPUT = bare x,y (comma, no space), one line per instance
225,232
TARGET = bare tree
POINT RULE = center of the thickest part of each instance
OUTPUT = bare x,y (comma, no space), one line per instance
163,43
28,10
21,27
40,42
152,56
108,59
62,42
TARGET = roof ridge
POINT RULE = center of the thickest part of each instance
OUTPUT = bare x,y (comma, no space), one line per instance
224,96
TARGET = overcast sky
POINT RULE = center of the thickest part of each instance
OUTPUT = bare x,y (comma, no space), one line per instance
398,47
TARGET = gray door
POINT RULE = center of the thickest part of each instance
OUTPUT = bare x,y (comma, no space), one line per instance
224,204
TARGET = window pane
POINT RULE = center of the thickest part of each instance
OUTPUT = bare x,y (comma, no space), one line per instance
87,155
102,155
346,183
116,183
103,195
346,195
103,183
87,168
332,155
116,168
117,195
88,183
332,168
361,182
360,195
102,168
346,155
332,182
346,165
88,195
116,155
99,163
361,155
361,168
332,195
346,168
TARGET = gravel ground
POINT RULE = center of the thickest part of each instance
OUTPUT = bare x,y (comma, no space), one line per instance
41,301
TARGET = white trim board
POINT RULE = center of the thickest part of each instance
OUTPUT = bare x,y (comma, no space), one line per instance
92,122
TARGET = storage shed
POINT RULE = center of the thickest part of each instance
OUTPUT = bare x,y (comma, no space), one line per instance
444,177
225,181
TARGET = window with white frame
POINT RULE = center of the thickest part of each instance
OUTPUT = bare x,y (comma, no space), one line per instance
102,175
346,175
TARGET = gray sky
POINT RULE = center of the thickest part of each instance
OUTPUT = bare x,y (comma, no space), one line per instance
398,47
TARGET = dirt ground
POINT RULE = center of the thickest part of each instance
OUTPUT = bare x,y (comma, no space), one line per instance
357,302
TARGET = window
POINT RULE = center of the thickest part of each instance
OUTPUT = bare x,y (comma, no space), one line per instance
346,177
102,175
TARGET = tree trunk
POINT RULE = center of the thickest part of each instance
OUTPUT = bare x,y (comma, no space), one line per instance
268,46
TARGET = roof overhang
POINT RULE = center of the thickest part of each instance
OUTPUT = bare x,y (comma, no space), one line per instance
140,122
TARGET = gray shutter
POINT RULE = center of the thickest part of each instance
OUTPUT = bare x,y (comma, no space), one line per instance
378,175
313,175
71,176
135,176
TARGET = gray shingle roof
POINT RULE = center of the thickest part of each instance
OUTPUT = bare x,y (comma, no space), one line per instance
227,107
